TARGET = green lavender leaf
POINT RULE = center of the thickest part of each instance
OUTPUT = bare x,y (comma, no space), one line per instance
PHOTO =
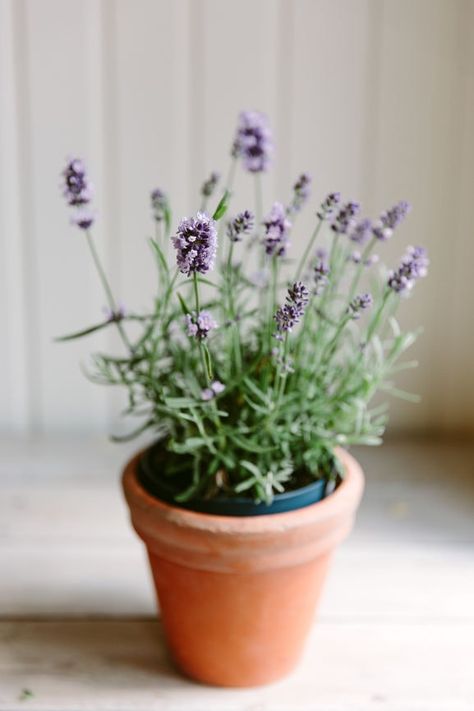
222,207
84,332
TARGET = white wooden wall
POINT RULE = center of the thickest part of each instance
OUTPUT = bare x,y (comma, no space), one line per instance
373,97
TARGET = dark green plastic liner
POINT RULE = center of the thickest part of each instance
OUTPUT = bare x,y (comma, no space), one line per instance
226,506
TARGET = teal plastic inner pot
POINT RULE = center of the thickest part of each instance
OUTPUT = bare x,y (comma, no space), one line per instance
148,472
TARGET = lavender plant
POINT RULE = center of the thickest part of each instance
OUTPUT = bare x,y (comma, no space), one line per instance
249,381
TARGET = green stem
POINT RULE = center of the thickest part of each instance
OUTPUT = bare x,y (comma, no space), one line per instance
215,415
259,214
373,325
228,188
258,201
330,347
375,322
283,376
198,309
235,336
196,293
360,268
272,300
308,249
107,289
331,286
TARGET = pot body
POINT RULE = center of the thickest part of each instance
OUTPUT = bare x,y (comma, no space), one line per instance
238,594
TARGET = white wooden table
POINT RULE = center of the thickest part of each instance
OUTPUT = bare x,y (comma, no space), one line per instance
78,631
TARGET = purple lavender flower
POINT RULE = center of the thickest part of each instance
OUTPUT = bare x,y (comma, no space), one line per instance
292,310
214,389
359,304
277,227
390,219
320,275
298,294
159,204
196,243
77,188
209,185
361,232
241,224
83,218
301,192
355,257
199,325
253,141
117,315
413,266
344,220
370,261
328,206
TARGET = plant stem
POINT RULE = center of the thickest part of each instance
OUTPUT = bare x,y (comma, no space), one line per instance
360,268
198,309
107,289
373,325
308,249
228,188
328,350
235,335
196,293
272,299
258,202
283,376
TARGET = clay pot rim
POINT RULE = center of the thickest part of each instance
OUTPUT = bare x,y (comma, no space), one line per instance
337,502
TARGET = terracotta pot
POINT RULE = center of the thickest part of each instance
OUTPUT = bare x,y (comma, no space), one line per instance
238,594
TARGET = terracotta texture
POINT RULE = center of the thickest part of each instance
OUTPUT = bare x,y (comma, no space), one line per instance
238,594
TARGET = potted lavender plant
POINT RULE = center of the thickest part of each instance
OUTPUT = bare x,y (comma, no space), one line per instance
254,372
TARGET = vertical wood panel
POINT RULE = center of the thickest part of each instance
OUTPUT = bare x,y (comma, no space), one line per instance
146,64
329,100
374,97
237,64
418,113
66,290
150,78
14,399
458,410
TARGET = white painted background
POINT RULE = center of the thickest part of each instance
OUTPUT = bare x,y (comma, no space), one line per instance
372,97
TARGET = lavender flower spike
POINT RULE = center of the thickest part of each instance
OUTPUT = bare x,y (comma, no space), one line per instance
390,219
253,141
328,206
83,218
77,188
199,325
159,204
195,242
277,227
301,192
344,220
360,233
210,184
292,310
414,265
240,225
359,304
321,273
